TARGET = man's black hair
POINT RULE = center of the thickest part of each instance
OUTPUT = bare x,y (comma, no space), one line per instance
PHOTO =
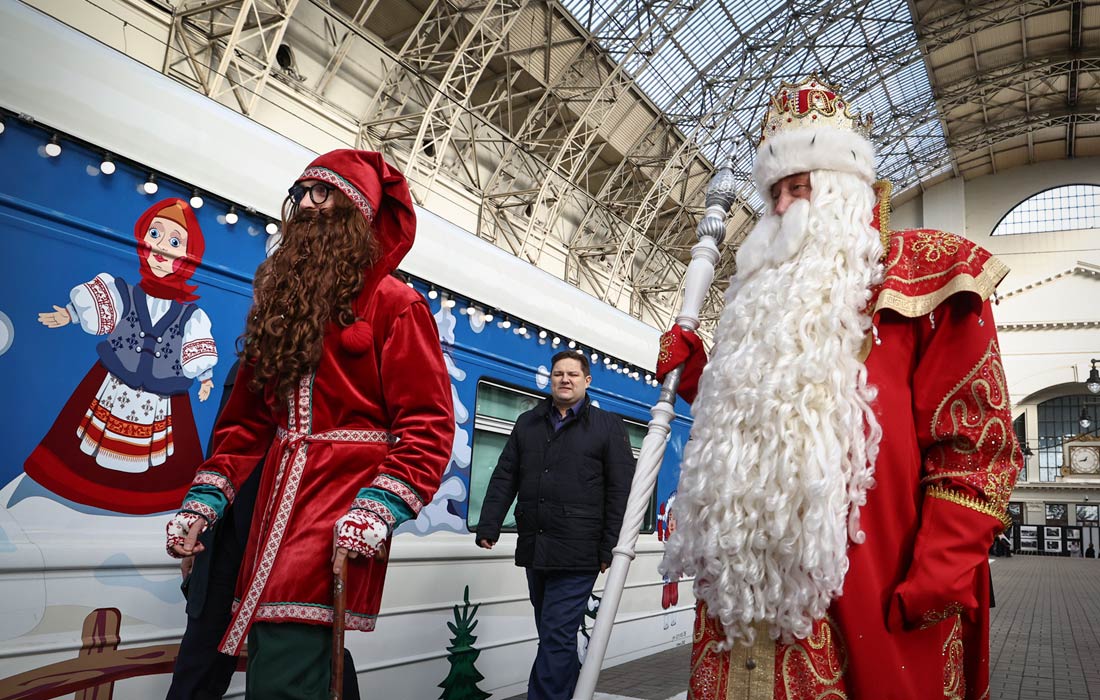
572,355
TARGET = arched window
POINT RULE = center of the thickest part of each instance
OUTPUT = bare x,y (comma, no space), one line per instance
1065,208
1057,422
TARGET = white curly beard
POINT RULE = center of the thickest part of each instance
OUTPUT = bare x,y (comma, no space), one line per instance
784,441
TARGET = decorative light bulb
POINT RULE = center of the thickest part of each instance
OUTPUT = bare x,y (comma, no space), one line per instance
107,166
53,148
231,216
150,186
272,228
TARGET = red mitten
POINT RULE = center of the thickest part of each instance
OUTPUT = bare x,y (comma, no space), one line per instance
682,347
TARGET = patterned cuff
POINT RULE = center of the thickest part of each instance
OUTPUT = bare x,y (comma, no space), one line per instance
390,499
218,481
362,531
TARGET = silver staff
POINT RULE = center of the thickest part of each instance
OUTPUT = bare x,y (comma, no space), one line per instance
700,274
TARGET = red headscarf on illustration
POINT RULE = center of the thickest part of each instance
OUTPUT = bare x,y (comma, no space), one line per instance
175,286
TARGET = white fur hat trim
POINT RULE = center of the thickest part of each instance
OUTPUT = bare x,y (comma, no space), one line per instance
806,150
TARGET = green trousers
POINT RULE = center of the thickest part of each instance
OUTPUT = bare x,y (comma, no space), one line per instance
288,661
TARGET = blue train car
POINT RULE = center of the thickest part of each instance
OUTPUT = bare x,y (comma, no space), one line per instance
88,598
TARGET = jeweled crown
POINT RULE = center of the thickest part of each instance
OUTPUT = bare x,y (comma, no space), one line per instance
811,104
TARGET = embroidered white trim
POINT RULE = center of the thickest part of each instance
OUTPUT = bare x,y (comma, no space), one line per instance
338,435
284,612
200,508
333,178
401,490
104,305
218,481
379,509
295,456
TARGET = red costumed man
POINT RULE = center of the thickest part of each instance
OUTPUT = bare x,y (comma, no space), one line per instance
852,453
342,385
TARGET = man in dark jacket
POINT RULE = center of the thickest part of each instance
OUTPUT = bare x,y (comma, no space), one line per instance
571,465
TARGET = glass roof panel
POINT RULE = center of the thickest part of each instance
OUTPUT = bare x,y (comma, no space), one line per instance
713,80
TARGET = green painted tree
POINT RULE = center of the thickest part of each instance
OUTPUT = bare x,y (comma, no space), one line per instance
461,682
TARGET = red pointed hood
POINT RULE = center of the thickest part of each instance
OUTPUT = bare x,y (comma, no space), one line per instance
380,192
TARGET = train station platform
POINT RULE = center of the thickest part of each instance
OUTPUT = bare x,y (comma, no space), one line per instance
1044,639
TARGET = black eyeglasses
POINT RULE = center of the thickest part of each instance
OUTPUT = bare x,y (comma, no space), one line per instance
318,192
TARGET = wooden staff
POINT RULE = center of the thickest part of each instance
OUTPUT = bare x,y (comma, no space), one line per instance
700,274
339,606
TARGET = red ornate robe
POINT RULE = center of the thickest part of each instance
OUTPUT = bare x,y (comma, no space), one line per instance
913,620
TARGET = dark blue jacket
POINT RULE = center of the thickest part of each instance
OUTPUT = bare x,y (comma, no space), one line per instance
571,487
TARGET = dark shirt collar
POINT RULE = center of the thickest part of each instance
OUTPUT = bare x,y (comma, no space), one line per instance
558,420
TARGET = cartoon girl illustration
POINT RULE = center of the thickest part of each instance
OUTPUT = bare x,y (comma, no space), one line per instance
666,525
126,440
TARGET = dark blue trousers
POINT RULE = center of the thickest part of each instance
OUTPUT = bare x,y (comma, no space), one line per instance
559,599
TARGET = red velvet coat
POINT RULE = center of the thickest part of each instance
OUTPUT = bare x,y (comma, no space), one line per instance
376,414
912,622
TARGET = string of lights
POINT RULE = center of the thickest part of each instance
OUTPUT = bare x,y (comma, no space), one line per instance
53,147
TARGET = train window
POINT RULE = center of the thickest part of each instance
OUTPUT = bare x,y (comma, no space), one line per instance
495,413
503,403
636,432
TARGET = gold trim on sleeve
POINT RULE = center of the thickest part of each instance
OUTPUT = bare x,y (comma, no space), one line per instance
969,502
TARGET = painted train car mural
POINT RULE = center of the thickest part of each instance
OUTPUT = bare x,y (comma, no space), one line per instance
89,467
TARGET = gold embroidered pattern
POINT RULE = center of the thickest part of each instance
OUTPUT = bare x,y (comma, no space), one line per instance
918,305
883,190
914,285
742,673
934,244
935,617
969,502
975,445
665,354
954,676
814,667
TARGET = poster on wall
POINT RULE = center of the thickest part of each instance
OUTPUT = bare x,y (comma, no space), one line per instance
1029,538
1052,546
1052,533
1073,533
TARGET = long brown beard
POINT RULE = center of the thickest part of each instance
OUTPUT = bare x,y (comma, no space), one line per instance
313,278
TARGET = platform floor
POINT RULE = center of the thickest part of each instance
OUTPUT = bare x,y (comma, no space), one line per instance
1044,639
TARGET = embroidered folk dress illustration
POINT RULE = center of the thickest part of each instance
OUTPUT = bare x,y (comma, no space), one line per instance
126,439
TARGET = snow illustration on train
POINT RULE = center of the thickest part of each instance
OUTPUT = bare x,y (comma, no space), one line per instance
120,315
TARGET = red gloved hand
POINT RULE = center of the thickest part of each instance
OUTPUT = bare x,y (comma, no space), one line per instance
680,346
